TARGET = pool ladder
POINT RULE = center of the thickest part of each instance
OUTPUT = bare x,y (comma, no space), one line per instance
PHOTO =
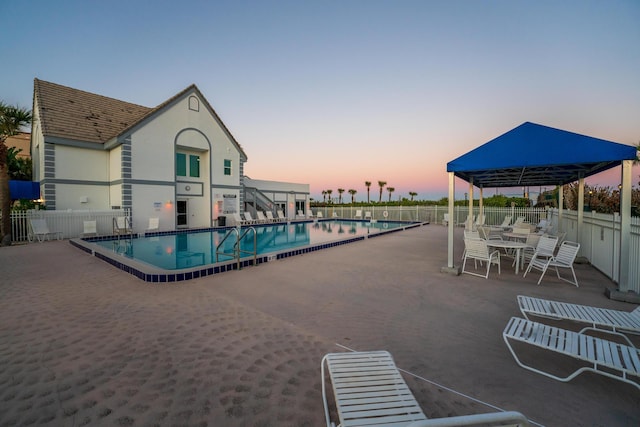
237,251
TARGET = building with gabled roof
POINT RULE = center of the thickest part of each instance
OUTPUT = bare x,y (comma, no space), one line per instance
177,161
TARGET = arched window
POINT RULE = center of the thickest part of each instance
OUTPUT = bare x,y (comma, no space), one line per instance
194,103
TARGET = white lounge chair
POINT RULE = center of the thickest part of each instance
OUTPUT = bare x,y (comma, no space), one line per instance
319,215
505,222
619,361
249,219
281,216
369,390
237,219
563,259
89,228
367,215
261,218
480,220
358,214
270,216
477,249
154,225
599,319
40,231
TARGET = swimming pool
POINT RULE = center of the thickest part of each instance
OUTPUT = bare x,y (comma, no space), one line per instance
184,255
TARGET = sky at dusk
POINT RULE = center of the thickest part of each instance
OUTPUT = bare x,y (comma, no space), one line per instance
336,93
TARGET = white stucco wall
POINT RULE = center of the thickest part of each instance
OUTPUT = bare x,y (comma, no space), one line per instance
153,202
115,163
81,164
81,197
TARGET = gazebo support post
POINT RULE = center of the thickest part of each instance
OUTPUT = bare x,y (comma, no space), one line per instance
450,268
625,226
469,222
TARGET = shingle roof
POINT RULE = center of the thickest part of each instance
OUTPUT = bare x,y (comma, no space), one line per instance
75,114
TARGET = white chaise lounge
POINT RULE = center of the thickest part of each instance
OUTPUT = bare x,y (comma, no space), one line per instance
40,231
608,358
599,319
369,391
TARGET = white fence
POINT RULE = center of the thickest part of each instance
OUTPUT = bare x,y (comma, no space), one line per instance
69,223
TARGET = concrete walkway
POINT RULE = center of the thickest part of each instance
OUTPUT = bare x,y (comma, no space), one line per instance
82,343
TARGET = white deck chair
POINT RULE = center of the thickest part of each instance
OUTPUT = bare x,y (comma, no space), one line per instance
506,222
563,259
270,216
619,361
40,231
237,219
478,250
319,214
249,219
89,228
281,216
367,215
261,218
369,390
480,220
154,224
599,319
358,214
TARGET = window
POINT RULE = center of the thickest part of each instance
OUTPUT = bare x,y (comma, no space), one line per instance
194,166
181,164
227,167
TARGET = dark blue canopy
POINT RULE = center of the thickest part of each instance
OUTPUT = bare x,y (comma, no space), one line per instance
532,154
24,190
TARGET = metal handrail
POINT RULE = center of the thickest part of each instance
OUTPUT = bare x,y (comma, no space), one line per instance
237,251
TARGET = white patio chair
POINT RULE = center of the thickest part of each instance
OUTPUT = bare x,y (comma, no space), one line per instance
89,228
358,214
480,220
506,222
599,319
281,216
237,219
40,231
249,219
154,224
261,218
563,259
270,216
367,215
319,215
478,250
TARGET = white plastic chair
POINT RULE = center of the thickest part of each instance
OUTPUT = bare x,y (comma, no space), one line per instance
358,214
40,231
563,259
89,228
154,224
478,250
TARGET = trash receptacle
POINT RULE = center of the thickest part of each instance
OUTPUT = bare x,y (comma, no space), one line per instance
222,221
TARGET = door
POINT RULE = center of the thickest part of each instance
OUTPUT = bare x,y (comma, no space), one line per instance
181,214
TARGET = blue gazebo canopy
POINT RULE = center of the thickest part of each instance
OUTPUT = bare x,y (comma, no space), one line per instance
533,154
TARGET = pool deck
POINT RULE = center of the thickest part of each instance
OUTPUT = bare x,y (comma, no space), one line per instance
84,343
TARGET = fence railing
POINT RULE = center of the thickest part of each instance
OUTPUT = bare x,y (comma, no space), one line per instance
69,223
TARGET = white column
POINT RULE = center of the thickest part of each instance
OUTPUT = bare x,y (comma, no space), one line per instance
560,206
580,211
625,226
469,223
452,187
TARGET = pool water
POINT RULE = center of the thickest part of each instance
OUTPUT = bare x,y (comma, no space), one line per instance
193,249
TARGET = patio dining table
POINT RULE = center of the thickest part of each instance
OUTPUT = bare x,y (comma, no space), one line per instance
510,244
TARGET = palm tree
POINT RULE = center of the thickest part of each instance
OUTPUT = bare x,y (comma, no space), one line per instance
353,193
390,190
11,120
324,196
340,191
381,184
329,193
412,194
368,184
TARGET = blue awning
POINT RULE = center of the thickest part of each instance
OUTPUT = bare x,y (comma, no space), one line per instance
533,154
24,190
